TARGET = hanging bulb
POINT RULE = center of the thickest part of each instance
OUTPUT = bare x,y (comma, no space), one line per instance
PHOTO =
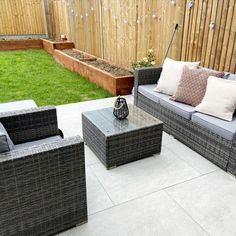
154,16
76,15
173,2
190,3
125,21
138,21
81,16
86,14
92,9
72,11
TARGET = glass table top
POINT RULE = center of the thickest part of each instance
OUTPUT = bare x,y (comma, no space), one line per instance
108,124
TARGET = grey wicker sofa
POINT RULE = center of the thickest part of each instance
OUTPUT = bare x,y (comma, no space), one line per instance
212,138
42,180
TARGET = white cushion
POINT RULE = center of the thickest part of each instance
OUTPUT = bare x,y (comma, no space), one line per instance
18,105
220,98
171,75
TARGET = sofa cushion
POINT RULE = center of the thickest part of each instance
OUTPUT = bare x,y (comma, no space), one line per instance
219,99
225,129
171,75
192,86
37,142
5,142
231,76
181,109
148,91
18,105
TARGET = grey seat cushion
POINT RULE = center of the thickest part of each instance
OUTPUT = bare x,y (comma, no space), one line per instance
148,91
179,108
37,142
225,129
6,144
18,105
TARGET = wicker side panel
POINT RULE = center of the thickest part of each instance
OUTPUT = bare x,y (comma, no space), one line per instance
43,192
28,125
232,160
208,144
95,139
148,75
133,146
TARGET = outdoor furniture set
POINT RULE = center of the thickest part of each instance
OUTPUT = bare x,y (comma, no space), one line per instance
42,175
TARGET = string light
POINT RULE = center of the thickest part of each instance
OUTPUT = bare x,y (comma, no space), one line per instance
190,3
139,20
154,16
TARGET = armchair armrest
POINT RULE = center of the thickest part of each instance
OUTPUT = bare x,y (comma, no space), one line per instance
30,124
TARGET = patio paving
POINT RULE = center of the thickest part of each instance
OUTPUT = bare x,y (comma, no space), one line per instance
177,192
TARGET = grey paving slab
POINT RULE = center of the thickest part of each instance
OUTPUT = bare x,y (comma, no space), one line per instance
211,201
153,215
198,162
97,198
144,176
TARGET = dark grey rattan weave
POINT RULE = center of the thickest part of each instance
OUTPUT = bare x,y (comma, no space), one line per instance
116,142
215,148
42,188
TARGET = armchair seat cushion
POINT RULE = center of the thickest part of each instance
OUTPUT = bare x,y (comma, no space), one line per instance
148,91
37,142
179,108
225,129
18,105
5,142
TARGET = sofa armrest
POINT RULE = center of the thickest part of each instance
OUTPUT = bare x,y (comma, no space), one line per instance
30,124
146,75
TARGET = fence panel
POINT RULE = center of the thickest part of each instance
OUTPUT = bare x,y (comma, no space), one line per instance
21,17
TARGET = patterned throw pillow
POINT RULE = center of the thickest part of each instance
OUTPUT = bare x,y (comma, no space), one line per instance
192,86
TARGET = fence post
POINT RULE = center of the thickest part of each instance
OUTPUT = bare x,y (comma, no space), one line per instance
44,17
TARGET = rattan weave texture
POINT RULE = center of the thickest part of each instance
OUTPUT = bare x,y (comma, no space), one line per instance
42,188
117,142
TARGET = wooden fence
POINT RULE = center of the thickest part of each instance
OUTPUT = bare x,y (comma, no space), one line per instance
122,31
21,17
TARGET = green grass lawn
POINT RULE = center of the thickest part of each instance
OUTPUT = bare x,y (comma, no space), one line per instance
33,74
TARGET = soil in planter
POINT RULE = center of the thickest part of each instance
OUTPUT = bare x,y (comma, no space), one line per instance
112,69
75,54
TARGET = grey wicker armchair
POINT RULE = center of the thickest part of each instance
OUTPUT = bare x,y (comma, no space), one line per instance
42,187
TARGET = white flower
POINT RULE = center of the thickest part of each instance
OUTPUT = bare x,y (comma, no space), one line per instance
145,59
153,63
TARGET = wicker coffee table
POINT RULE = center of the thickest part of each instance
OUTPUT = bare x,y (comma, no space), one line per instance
116,142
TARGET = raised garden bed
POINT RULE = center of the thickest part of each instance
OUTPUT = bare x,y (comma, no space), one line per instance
113,78
20,44
51,45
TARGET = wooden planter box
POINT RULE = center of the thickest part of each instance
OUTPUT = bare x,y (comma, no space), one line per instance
70,62
50,46
117,85
20,44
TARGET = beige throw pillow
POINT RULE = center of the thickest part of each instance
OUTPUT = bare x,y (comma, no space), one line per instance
171,75
220,98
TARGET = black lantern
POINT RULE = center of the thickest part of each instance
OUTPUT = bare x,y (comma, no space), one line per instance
121,110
